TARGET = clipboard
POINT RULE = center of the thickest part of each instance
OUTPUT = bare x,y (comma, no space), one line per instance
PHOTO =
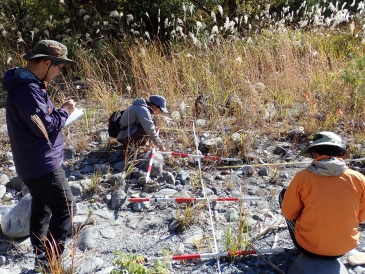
76,114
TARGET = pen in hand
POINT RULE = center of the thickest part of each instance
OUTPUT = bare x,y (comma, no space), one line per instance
69,106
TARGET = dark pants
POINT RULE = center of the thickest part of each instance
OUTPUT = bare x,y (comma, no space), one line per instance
52,205
291,228
140,138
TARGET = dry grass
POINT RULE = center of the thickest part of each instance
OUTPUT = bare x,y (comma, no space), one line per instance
290,77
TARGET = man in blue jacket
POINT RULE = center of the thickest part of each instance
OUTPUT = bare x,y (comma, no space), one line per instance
37,161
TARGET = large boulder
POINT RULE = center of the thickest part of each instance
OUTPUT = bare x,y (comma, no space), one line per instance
307,265
15,223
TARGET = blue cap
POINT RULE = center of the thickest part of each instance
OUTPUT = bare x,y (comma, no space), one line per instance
159,101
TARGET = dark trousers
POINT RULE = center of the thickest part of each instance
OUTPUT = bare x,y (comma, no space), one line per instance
52,206
291,228
140,138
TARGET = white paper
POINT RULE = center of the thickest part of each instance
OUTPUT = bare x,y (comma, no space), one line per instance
76,114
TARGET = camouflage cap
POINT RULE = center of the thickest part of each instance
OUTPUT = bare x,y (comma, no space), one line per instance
50,49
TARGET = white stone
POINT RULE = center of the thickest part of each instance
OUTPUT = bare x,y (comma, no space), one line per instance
357,259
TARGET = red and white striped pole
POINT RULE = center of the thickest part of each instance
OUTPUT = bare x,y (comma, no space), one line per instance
151,159
186,155
189,200
214,255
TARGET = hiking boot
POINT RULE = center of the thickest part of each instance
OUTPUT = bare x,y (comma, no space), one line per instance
41,264
42,267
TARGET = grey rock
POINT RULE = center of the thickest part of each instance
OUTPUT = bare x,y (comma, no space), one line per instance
296,132
2,260
15,223
95,206
88,169
176,116
4,179
69,153
157,164
208,192
15,183
2,191
173,225
118,199
93,160
231,215
119,166
263,171
4,128
137,173
142,181
107,233
236,137
167,177
117,179
77,175
108,198
306,265
138,207
236,193
85,183
206,145
113,158
91,266
166,192
234,179
170,186
5,209
180,249
183,194
284,176
192,235
182,176
88,238
105,270
213,142
76,189
151,186
103,135
279,150
359,270
201,122
207,177
248,170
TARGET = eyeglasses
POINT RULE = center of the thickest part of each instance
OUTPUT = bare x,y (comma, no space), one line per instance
61,68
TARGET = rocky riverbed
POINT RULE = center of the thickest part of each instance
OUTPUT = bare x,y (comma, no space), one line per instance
103,179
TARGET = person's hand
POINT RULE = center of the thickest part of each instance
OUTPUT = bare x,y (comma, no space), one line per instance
69,106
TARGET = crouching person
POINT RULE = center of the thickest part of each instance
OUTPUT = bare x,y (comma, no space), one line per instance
324,203
137,125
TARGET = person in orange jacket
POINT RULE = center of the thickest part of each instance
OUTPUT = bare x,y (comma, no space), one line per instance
324,203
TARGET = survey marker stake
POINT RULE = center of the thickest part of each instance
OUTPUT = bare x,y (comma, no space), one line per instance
213,255
189,200
147,178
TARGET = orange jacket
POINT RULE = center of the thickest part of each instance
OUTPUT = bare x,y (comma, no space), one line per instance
327,209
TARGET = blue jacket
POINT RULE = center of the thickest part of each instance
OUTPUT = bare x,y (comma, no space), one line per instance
31,153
